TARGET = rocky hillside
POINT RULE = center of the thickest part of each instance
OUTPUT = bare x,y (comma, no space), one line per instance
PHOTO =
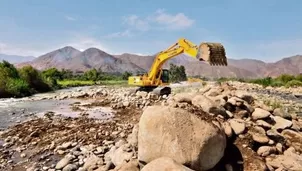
75,60
70,58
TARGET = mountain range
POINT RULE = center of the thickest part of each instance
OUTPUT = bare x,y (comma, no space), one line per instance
16,58
75,60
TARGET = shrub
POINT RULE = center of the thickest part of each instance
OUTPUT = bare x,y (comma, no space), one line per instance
17,87
293,83
53,73
34,79
285,78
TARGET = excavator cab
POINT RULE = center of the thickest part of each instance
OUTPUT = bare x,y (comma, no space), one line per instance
163,76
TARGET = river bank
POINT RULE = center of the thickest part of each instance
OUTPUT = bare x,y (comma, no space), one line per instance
95,127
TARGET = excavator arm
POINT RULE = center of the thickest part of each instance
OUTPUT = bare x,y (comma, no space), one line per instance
212,53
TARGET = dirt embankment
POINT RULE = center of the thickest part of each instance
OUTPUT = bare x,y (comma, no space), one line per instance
262,132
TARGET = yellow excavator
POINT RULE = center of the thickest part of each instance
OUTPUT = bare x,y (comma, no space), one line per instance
157,79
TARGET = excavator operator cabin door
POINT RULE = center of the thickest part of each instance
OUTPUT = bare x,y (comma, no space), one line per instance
165,76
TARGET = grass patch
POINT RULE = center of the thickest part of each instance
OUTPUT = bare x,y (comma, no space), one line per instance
273,103
75,83
113,82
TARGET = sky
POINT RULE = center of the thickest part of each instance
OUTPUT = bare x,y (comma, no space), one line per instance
266,30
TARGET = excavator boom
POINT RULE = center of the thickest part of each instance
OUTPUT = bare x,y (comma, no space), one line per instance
211,53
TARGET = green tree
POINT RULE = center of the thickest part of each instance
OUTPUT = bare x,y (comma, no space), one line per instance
126,75
66,74
34,79
7,71
17,87
177,73
91,75
285,78
299,77
53,73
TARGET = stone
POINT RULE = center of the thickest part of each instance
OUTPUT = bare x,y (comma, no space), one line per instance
244,96
92,162
263,124
120,155
230,114
296,126
279,147
282,113
70,167
63,162
281,123
295,139
242,114
259,135
184,97
237,125
126,104
197,143
208,105
132,138
227,129
165,164
264,151
260,114
130,166
289,160
275,135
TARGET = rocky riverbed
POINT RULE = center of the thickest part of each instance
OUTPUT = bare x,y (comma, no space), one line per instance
229,126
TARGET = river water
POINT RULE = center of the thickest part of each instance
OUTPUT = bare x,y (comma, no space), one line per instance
13,111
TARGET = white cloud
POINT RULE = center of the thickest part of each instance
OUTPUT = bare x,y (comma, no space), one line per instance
136,22
160,19
69,18
177,21
125,33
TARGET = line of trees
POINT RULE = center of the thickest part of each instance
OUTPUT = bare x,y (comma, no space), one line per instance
28,80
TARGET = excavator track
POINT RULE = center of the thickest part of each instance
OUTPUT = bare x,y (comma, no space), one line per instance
213,53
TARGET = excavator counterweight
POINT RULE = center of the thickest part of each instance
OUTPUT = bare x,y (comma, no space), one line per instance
157,79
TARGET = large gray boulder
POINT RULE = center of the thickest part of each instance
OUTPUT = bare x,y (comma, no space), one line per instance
173,132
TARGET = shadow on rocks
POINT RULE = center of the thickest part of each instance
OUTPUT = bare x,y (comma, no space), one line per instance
232,159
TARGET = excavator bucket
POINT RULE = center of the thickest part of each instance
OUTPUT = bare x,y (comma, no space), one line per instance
213,53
